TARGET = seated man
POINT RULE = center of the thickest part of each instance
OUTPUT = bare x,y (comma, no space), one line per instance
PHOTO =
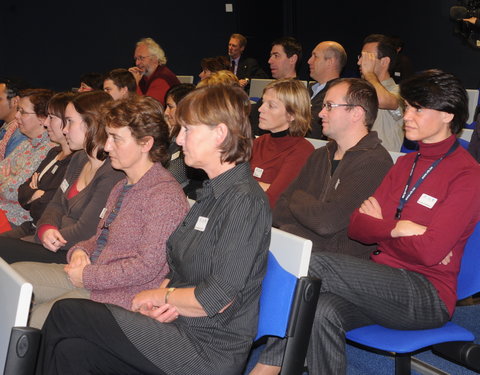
120,84
151,72
337,178
420,217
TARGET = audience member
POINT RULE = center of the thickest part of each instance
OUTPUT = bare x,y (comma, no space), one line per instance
37,191
75,210
376,61
222,77
120,84
403,67
284,60
244,68
420,233
127,254
213,64
151,73
189,178
326,64
474,145
202,318
10,136
19,165
278,157
91,82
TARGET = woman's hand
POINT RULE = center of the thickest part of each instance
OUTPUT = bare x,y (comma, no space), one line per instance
371,207
53,240
34,181
36,195
264,185
407,228
75,274
79,258
164,314
148,299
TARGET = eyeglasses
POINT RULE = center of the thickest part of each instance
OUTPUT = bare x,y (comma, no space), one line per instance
141,58
330,106
23,112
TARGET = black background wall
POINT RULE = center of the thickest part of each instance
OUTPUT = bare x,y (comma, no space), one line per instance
52,43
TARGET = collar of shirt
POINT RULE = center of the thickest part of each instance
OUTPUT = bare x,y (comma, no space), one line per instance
316,88
218,185
40,140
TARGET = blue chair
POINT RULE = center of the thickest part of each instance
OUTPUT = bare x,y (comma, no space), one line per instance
403,343
289,298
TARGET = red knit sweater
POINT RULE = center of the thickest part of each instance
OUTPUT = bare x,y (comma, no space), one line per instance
455,183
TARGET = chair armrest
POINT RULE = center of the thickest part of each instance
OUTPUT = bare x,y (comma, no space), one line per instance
22,351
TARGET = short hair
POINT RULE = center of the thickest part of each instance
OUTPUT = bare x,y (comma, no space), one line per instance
294,96
360,93
122,78
88,105
154,49
178,92
143,116
58,103
221,104
241,39
214,64
222,77
336,51
39,98
93,80
290,45
435,89
12,87
386,47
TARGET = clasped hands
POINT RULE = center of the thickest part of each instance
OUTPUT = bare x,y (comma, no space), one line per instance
151,303
74,268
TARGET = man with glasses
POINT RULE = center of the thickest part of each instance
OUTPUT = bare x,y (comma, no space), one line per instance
10,136
375,63
335,180
151,74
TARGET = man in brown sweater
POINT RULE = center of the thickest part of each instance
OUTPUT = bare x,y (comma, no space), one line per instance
337,178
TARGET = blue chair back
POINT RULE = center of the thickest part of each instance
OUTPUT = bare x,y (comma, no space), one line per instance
469,276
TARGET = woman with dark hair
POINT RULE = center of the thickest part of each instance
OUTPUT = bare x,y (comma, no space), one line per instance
19,165
76,208
36,192
202,318
213,64
127,254
278,157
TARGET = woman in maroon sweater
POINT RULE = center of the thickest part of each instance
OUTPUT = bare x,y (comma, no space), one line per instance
127,253
278,157
420,221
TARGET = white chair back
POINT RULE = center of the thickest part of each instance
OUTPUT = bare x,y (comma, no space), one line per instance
185,79
472,104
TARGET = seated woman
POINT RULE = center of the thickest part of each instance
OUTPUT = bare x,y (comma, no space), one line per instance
35,193
222,77
127,254
202,318
213,64
19,165
420,217
190,178
76,208
278,157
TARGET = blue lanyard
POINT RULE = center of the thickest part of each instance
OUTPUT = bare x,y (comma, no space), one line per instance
406,193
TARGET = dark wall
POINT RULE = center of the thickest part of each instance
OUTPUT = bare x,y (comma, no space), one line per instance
52,43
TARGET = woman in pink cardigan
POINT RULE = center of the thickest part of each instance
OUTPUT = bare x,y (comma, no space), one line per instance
127,253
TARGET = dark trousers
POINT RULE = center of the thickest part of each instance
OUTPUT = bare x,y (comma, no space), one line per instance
16,250
356,293
93,344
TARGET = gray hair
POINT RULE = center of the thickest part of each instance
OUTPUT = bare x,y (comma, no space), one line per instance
154,49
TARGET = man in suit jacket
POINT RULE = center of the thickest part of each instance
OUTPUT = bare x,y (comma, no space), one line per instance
326,64
244,68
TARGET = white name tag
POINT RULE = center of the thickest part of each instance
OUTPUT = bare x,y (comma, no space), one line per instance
201,223
427,201
64,185
175,155
104,211
54,169
257,172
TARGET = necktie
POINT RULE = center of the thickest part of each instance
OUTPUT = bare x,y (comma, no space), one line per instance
232,66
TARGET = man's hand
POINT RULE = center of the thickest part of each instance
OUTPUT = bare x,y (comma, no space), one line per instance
367,65
137,73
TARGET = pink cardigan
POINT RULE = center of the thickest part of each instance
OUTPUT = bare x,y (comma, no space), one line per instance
134,257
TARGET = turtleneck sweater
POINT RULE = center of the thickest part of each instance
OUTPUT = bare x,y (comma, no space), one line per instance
447,203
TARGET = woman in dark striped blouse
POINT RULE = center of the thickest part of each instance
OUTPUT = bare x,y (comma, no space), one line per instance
203,317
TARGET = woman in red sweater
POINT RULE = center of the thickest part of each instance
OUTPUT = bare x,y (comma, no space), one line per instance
278,157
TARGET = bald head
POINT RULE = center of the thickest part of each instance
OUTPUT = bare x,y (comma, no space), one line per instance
327,61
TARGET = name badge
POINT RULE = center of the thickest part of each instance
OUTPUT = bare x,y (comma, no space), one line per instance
257,172
427,201
175,155
104,211
54,169
201,223
64,186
